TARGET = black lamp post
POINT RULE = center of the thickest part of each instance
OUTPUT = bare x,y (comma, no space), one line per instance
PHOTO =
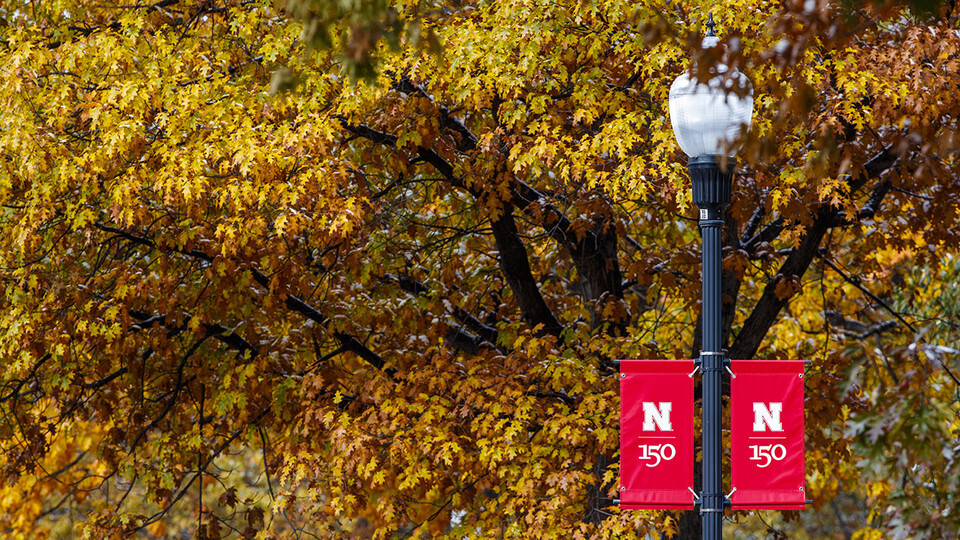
706,118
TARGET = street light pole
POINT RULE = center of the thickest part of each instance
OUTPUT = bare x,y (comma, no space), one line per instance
711,188
707,116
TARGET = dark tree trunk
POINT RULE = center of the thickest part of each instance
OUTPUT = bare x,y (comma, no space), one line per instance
516,269
689,526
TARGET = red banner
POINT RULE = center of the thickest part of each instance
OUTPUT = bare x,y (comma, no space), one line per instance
656,434
766,434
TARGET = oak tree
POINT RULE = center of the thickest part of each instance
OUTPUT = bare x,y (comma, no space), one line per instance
387,301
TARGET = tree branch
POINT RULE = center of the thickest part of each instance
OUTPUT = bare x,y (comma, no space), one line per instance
466,140
149,243
767,234
291,301
178,386
15,392
594,251
516,269
347,341
768,308
203,467
219,332
485,332
856,283
106,380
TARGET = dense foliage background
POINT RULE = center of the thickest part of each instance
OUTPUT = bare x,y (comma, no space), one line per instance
362,268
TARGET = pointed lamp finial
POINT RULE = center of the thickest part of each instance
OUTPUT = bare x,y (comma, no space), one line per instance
711,25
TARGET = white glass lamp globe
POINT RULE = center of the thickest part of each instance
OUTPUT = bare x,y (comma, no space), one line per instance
706,116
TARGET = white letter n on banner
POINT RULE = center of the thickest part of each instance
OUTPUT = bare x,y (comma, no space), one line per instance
767,417
661,416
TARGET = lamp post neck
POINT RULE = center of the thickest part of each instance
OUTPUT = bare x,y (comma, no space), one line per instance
712,184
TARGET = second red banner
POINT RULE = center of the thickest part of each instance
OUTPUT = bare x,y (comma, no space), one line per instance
766,434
